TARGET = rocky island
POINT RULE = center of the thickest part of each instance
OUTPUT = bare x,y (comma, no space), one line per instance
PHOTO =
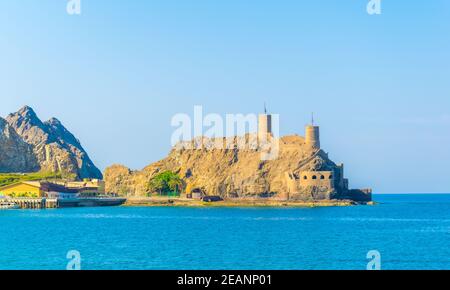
302,173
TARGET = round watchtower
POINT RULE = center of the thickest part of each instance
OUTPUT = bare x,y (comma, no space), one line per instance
312,137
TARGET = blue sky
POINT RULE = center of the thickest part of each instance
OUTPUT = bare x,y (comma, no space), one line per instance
116,74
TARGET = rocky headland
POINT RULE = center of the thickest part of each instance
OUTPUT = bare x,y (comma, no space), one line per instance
301,172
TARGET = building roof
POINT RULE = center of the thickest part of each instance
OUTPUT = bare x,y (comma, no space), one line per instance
44,186
47,186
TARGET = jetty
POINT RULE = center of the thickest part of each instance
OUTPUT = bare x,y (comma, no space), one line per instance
45,194
34,203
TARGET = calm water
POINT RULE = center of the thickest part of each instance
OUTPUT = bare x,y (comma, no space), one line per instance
410,232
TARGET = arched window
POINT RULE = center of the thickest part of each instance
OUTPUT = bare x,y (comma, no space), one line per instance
322,177
314,177
305,177
331,176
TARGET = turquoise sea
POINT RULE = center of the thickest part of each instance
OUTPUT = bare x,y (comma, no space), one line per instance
409,232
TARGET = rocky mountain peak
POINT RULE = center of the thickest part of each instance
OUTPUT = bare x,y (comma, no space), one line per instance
54,147
58,132
26,110
53,122
26,113
25,119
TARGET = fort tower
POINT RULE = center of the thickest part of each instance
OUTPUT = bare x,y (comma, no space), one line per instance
264,126
312,136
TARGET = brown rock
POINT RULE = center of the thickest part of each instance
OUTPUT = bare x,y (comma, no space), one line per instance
230,173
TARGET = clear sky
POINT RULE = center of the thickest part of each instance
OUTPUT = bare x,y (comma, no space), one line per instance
116,74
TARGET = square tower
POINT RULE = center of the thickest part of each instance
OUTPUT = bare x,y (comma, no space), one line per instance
264,127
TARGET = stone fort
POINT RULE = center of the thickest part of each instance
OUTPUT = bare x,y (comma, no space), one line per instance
315,178
300,169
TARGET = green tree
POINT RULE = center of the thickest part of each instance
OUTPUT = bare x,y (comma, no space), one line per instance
156,184
175,184
165,182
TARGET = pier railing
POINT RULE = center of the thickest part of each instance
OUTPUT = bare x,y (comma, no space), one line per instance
34,203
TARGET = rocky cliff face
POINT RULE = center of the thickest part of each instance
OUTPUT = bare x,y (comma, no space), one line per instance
52,146
230,173
15,154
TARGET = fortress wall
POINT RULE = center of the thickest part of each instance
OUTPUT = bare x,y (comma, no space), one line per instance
317,178
322,179
341,182
292,183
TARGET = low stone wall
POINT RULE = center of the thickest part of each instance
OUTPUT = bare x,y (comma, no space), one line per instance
359,195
